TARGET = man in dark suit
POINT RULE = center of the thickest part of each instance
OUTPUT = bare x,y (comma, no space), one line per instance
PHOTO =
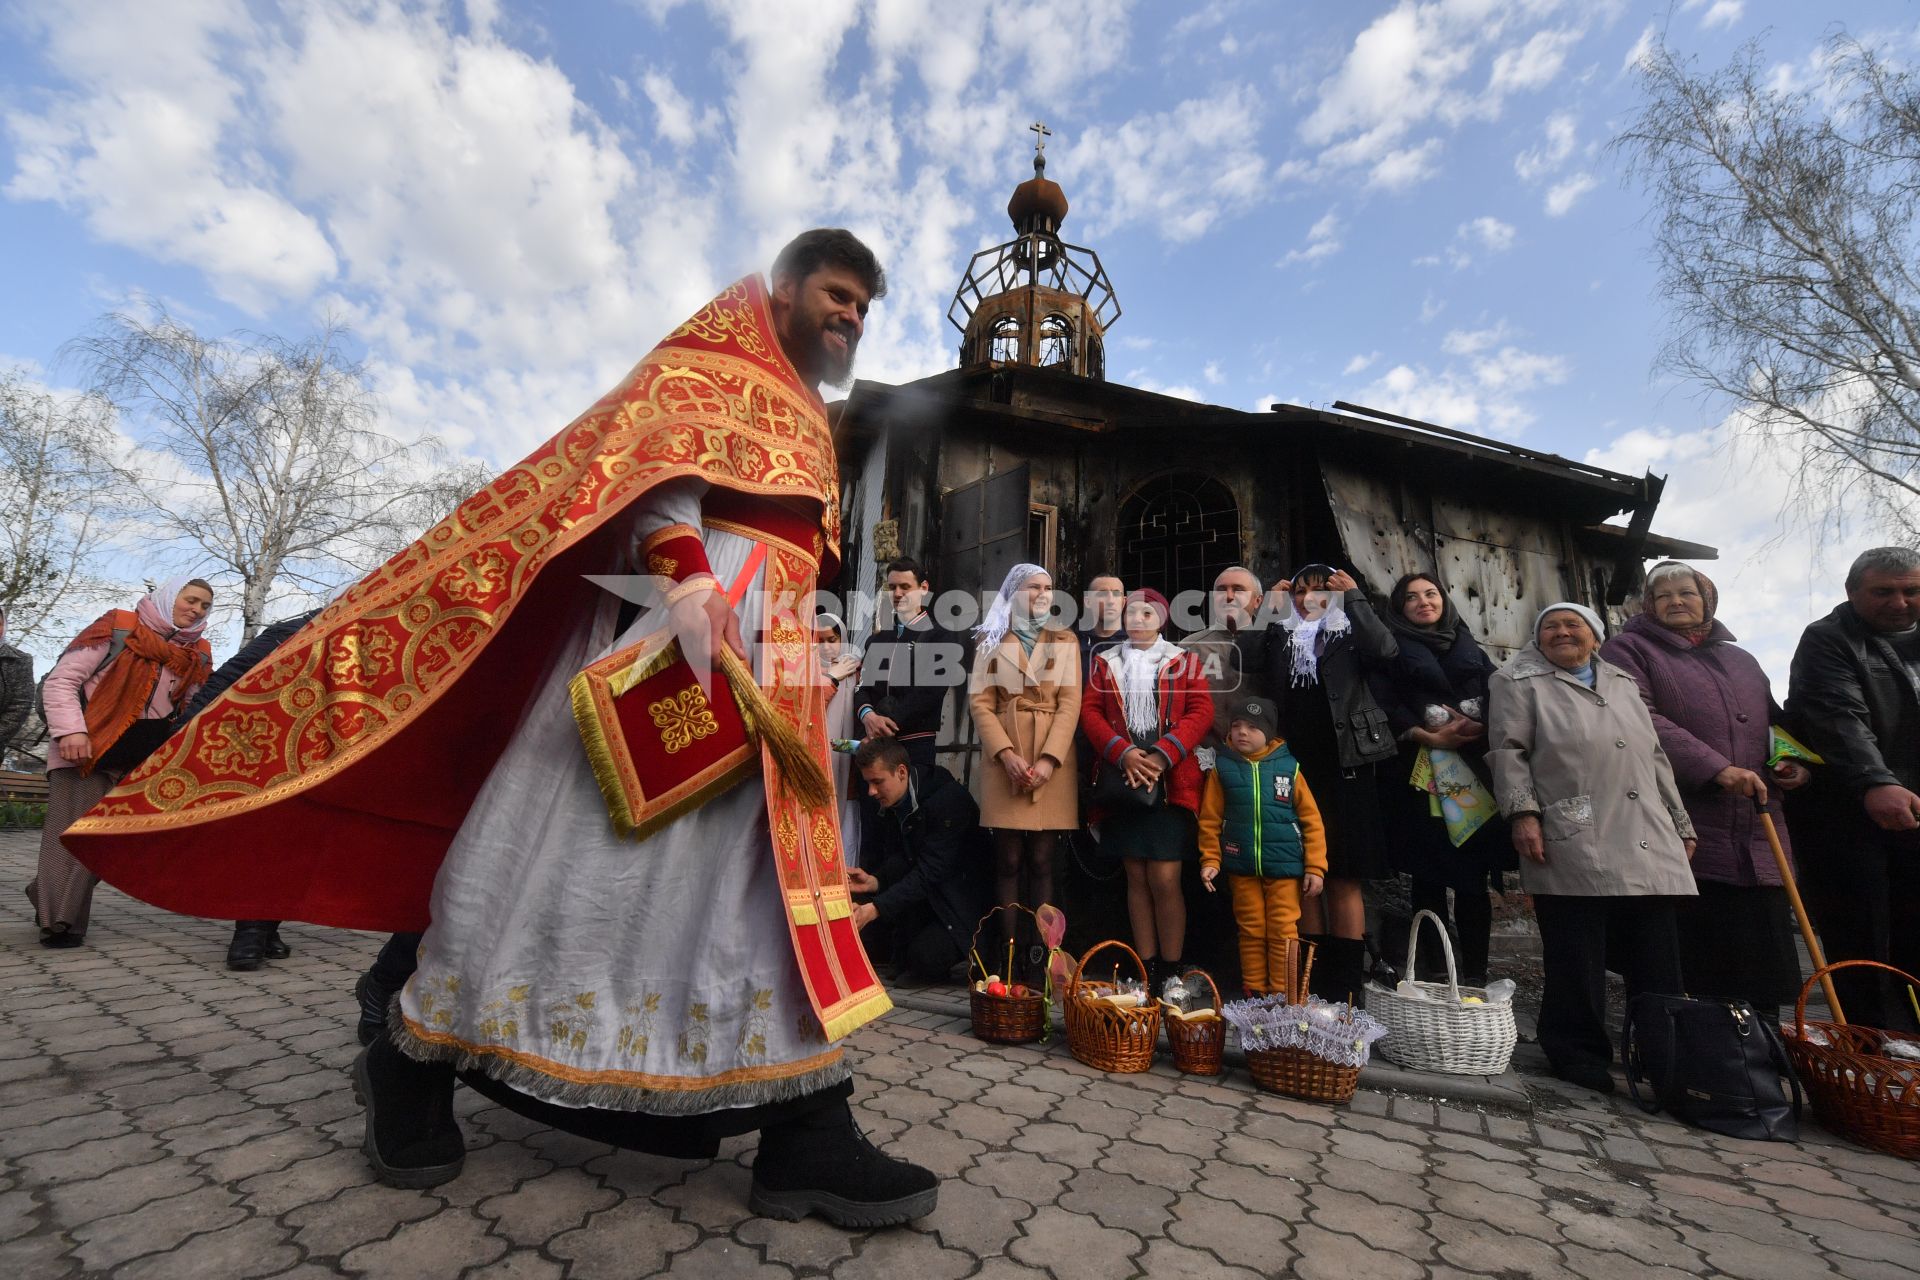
923,878
909,666
1854,698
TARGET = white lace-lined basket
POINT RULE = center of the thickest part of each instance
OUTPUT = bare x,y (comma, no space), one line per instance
1433,1030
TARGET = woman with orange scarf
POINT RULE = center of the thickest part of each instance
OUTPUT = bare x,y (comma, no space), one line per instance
110,701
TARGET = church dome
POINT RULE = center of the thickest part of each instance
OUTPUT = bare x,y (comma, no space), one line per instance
1037,204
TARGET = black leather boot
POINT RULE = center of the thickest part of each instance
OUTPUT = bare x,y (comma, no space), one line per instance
373,1008
822,1163
1340,971
248,950
275,949
412,1138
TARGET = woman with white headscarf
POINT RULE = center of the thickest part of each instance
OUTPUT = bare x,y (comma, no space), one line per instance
1600,827
110,701
1025,697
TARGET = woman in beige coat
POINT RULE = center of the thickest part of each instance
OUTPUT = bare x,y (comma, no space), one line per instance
1025,695
1598,823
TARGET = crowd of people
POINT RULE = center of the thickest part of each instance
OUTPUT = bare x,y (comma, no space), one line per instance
1290,744
686,971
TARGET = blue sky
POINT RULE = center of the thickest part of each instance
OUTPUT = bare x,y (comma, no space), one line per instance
1404,205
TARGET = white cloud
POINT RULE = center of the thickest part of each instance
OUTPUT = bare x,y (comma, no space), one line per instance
1406,167
1562,196
1482,393
1430,308
1537,162
674,116
1182,170
1642,47
1471,342
144,147
1211,372
1532,65
1179,391
1776,573
1511,369
1485,234
1409,71
1361,363
1719,13
1323,241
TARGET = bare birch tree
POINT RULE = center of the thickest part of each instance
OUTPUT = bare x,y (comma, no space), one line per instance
62,499
1784,218
261,455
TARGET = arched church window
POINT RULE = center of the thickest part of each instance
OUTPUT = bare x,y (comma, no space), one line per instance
1003,341
1177,532
1056,341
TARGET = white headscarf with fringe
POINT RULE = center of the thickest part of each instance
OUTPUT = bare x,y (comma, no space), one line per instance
1000,615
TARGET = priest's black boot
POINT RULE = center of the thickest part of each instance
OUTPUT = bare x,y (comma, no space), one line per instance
274,948
412,1138
821,1163
248,950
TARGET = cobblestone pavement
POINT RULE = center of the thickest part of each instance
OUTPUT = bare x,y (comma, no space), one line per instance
160,1116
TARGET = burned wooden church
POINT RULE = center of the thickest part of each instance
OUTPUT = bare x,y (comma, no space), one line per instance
1027,452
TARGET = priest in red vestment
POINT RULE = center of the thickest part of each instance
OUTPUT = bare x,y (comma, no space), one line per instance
619,841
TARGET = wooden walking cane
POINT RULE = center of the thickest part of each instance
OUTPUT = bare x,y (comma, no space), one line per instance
1799,910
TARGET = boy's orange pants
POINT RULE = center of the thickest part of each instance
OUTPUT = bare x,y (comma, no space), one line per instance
1268,913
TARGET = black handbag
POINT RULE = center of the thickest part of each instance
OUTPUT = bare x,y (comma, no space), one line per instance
1712,1063
1111,790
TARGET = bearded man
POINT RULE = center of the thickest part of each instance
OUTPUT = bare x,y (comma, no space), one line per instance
467,718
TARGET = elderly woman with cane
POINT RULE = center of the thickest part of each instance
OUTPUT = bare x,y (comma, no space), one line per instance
110,701
1712,708
1599,825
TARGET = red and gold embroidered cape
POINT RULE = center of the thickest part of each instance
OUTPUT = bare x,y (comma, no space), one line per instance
327,783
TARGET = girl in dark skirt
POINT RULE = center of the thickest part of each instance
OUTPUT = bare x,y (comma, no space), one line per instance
1147,706
1434,693
1338,734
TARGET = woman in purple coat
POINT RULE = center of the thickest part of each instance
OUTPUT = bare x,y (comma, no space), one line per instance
1712,707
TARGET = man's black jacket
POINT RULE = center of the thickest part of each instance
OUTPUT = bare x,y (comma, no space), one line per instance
930,850
1853,701
905,677
251,655
16,692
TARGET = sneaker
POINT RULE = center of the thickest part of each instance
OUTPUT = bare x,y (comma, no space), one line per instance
412,1140
822,1163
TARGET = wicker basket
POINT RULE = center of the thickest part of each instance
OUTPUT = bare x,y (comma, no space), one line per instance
1197,1043
1300,1074
1439,1033
1106,1035
1857,1091
1005,1019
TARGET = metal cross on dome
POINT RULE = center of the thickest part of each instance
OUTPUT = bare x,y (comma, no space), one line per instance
1042,133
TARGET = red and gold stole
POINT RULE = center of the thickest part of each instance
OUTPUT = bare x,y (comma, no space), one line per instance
327,783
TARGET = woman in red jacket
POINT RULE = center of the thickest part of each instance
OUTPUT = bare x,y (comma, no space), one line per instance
1147,706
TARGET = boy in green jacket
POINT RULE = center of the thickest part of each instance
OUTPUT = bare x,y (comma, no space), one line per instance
1258,820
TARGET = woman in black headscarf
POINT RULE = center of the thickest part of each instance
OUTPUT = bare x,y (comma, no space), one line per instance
1434,691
